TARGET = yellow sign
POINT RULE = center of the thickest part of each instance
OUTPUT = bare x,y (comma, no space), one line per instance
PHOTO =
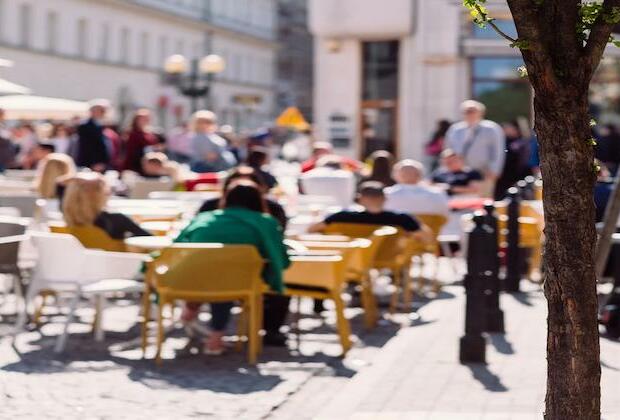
292,117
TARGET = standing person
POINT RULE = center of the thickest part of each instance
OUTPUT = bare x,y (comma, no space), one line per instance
481,143
7,149
179,143
409,195
607,148
137,140
382,162
436,144
209,151
516,166
92,151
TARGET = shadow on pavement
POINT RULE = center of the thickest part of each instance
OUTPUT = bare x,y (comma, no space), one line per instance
500,343
488,379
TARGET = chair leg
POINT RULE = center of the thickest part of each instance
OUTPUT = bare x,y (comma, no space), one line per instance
408,291
253,330
98,322
260,315
397,283
61,341
146,313
344,329
369,303
160,331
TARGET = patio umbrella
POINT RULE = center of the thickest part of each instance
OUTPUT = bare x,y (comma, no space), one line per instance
10,88
27,107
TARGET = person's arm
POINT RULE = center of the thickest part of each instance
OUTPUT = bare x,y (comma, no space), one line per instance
424,234
474,187
128,225
496,165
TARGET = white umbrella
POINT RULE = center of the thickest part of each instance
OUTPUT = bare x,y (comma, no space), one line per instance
27,107
10,88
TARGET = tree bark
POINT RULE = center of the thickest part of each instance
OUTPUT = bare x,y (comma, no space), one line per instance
573,353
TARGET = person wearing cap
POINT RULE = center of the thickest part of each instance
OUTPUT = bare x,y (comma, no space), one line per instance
323,148
480,142
92,151
455,176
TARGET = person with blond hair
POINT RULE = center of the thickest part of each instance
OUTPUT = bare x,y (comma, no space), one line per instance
53,168
209,150
84,203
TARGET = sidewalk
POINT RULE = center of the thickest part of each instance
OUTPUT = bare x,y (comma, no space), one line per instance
417,374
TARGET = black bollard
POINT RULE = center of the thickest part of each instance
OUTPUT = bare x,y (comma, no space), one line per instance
473,343
513,252
494,313
530,188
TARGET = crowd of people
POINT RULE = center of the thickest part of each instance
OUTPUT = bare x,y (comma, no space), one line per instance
71,163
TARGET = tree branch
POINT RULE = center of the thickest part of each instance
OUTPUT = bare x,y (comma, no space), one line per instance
599,35
494,26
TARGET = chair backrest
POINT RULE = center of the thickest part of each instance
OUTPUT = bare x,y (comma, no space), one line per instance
9,252
186,270
142,187
327,272
435,222
10,227
387,239
60,256
91,237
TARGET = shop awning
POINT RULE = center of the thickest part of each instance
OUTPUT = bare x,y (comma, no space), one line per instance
292,118
27,107
10,88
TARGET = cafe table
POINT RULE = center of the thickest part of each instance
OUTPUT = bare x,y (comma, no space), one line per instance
147,243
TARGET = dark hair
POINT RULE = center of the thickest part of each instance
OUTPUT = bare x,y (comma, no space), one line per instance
245,172
47,146
372,189
245,194
441,130
257,157
382,162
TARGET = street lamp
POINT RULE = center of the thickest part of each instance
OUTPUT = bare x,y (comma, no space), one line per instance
197,82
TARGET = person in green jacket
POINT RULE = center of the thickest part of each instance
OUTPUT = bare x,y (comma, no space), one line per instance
242,219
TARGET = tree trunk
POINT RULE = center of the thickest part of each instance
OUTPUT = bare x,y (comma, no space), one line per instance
573,373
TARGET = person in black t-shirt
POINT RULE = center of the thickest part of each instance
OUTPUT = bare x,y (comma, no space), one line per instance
372,198
457,178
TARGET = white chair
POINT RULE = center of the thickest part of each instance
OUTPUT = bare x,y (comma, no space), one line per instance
69,269
142,187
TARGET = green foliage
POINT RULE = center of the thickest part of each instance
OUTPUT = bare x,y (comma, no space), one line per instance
591,141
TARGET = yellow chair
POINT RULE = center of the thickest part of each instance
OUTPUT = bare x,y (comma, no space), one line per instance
207,273
321,277
359,255
435,222
91,237
392,253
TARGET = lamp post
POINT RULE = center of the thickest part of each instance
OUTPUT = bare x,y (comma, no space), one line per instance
197,82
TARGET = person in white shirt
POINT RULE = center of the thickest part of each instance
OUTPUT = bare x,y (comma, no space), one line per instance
410,196
329,179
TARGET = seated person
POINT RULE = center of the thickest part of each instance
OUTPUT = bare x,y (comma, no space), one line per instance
321,149
245,172
52,169
372,198
257,159
157,164
84,201
410,195
242,219
457,178
330,178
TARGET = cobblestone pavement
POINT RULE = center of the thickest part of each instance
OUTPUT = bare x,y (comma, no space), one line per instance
110,380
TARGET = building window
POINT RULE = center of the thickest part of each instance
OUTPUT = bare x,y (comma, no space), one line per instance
104,46
124,46
25,12
145,46
496,83
163,49
180,47
82,37
380,74
52,30
2,18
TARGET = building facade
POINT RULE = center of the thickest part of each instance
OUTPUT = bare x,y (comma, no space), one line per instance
295,59
386,72
116,49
